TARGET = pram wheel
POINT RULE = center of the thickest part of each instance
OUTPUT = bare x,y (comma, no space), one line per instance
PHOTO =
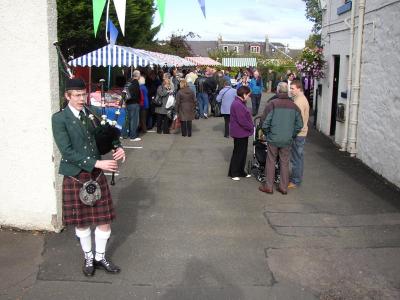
261,178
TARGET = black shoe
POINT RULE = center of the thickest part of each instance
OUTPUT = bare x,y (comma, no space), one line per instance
88,267
107,265
283,192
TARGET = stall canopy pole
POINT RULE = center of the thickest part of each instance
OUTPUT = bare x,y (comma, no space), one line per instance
90,85
109,77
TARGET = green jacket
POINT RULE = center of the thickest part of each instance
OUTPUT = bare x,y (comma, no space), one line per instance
283,121
75,142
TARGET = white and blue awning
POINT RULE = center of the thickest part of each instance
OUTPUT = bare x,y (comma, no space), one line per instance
121,56
239,61
114,55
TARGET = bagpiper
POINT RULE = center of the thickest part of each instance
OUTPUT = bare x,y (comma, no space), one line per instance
86,195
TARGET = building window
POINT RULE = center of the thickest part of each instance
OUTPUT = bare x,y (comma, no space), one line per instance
236,49
226,48
254,49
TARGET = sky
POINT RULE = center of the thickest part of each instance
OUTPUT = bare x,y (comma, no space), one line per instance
283,21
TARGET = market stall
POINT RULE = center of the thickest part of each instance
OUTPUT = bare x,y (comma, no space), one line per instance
111,56
114,55
202,61
168,59
121,56
239,62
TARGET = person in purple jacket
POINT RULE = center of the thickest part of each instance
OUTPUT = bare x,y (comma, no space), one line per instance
240,127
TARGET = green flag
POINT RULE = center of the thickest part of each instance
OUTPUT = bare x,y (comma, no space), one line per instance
161,9
98,7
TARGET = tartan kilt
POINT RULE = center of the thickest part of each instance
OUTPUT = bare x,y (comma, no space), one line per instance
81,215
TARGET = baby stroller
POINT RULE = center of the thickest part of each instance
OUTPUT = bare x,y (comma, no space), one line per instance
256,165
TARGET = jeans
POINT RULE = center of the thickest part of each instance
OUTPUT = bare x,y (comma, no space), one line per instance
255,103
133,120
297,159
202,99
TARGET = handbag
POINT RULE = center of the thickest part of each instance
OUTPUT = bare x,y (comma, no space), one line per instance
157,101
170,102
90,192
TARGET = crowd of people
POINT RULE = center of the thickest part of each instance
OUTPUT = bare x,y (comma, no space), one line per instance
208,86
151,97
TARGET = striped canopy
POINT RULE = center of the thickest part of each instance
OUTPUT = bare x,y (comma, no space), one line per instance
239,61
168,59
114,55
203,61
121,56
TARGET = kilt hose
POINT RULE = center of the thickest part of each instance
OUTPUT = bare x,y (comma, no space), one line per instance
81,215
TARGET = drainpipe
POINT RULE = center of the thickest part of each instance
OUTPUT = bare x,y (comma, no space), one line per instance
349,78
355,93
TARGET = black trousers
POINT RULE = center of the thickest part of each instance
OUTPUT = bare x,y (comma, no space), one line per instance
162,124
186,128
239,155
227,119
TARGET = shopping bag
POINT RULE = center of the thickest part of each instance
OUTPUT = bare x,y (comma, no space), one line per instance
170,102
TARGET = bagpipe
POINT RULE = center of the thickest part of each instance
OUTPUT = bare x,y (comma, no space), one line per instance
106,135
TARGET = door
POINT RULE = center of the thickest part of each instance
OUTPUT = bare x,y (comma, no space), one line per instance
335,92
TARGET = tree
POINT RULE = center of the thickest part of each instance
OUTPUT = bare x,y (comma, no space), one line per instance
313,40
175,45
75,25
218,54
314,14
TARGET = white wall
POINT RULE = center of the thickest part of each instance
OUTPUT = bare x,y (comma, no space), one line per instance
336,40
379,114
29,82
378,143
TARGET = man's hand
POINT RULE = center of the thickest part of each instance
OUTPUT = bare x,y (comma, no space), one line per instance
119,154
107,165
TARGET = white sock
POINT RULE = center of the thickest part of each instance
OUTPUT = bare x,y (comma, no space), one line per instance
85,239
101,238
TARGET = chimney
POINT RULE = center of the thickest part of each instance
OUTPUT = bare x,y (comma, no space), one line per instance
266,44
219,39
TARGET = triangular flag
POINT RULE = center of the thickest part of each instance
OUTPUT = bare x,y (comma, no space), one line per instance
98,7
113,32
120,7
161,9
203,6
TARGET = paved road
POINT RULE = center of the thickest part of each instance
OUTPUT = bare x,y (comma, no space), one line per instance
187,231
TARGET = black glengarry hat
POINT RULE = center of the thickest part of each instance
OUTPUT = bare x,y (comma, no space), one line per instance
75,84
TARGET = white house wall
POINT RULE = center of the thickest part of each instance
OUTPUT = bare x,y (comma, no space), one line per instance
29,84
379,114
378,143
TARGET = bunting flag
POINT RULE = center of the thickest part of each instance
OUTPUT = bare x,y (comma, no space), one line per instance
98,7
161,9
203,6
120,7
113,32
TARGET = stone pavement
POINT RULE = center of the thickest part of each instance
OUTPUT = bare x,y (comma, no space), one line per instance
184,230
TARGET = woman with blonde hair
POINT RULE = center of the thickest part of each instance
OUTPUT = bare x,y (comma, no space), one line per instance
185,107
163,92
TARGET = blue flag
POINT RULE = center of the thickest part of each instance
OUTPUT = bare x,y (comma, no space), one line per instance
113,32
203,6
